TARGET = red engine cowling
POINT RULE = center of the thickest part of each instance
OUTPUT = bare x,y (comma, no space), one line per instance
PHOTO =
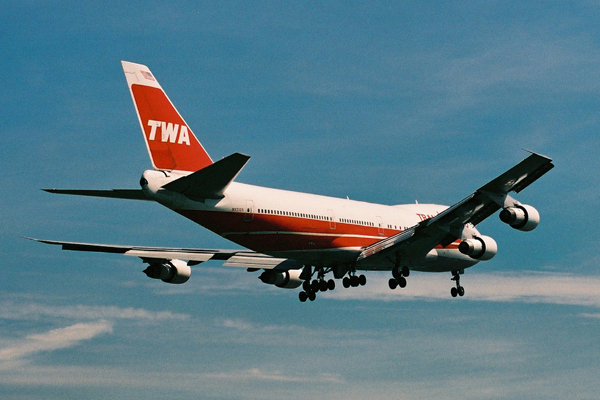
284,279
521,217
173,271
480,248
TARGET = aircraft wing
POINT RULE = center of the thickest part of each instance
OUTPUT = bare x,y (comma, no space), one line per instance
447,226
232,258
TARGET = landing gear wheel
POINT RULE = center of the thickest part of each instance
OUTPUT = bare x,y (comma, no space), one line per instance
400,274
453,292
346,282
312,296
461,291
393,283
306,286
303,296
362,280
402,282
354,281
323,285
331,284
314,286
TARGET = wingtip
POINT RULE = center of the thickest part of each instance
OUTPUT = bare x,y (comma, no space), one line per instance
33,239
536,153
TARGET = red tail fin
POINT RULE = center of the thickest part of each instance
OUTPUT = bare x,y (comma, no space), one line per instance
171,143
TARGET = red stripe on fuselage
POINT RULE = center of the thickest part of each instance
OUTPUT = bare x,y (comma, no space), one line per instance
267,233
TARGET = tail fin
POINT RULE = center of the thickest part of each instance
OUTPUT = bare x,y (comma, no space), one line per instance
171,144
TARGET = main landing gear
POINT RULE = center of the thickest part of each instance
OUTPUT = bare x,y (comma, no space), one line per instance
399,277
354,281
317,285
320,284
458,290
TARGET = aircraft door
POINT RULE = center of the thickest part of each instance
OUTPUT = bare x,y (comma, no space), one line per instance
249,212
331,216
380,226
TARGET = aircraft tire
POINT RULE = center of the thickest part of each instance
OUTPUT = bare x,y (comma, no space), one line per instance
306,285
323,286
331,284
402,282
362,280
346,282
314,286
303,296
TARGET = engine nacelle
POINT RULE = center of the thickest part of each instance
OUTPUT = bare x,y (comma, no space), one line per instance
480,248
521,217
174,271
284,279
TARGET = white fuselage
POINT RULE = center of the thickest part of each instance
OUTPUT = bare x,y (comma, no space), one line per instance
313,229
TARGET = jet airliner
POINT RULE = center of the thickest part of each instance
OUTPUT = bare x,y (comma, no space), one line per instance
294,240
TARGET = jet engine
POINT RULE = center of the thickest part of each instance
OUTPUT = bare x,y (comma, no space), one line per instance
284,279
173,271
521,217
479,247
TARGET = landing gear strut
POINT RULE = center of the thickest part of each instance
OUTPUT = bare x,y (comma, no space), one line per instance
458,290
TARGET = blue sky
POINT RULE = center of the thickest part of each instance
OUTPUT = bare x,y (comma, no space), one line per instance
379,101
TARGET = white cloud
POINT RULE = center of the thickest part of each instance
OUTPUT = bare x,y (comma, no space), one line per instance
54,340
526,287
25,311
98,320
256,374
509,286
590,315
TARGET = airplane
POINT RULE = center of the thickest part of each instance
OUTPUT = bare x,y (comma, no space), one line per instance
295,239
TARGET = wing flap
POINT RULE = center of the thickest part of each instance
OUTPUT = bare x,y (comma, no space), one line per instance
261,261
170,255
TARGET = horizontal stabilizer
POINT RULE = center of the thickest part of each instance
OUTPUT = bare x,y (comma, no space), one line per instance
130,194
212,181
